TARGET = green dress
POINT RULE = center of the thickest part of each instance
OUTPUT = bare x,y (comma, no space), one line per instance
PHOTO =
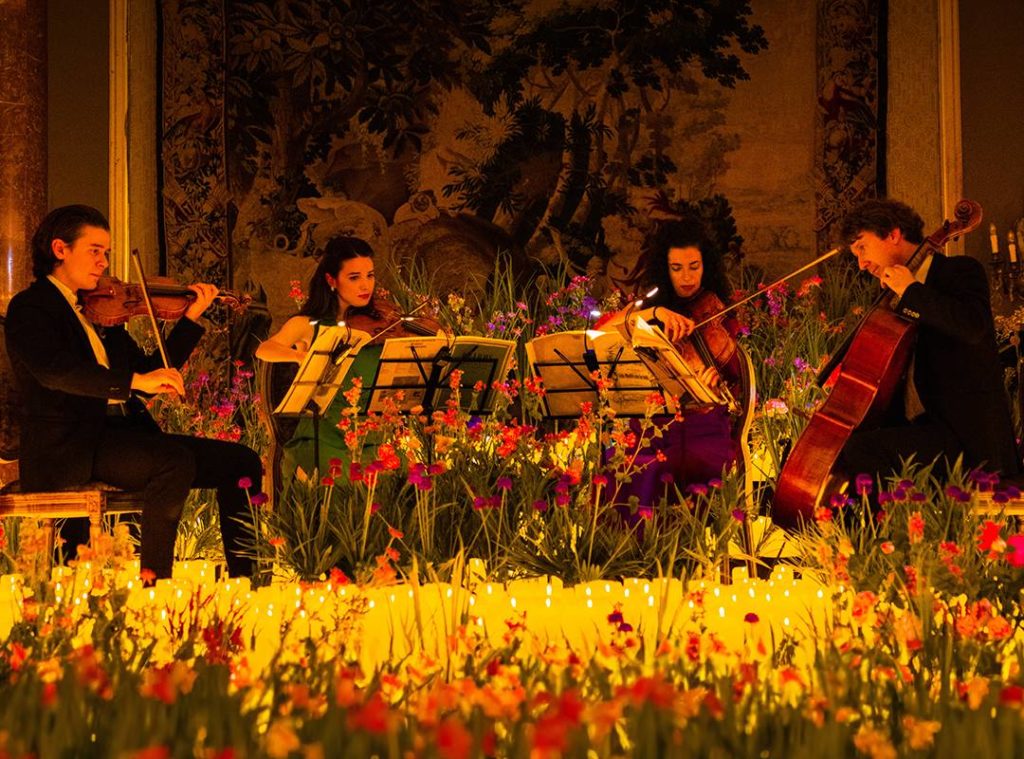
299,451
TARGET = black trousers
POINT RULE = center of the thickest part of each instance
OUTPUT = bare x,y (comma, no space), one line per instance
164,468
878,452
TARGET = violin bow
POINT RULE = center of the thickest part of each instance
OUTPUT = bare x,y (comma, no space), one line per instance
732,307
149,307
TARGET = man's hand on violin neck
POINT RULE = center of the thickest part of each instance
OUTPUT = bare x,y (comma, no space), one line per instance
205,294
897,278
159,381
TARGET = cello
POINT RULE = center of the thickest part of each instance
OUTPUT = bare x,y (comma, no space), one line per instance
873,363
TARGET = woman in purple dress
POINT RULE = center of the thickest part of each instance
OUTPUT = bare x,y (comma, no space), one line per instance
691,288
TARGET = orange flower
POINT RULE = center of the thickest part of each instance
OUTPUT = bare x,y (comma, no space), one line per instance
915,528
920,733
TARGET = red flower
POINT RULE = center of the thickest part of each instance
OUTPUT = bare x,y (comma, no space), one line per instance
453,740
990,540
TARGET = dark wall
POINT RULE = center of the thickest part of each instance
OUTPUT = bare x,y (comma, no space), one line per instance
77,98
992,97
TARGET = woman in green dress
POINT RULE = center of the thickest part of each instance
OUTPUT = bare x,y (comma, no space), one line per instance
341,288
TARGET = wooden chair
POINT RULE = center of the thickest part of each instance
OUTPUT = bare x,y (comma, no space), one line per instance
272,382
93,500
1012,508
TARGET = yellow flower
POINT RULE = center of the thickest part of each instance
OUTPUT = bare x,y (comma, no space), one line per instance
920,733
976,690
874,743
281,739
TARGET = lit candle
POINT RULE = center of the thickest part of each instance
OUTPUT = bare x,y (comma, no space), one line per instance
1011,244
994,238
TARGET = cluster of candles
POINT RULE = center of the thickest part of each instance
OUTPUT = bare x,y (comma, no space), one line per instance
393,621
1006,272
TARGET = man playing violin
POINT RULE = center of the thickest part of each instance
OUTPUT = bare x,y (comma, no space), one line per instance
953,401
82,418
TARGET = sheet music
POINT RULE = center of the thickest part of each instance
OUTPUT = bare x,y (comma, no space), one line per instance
407,364
323,370
559,359
666,364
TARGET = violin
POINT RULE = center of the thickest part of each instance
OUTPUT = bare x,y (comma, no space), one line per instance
114,302
710,345
390,321
869,375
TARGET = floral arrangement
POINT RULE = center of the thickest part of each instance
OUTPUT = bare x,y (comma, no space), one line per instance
414,585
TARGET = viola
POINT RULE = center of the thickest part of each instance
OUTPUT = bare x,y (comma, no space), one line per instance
114,302
390,321
711,335
868,378
710,345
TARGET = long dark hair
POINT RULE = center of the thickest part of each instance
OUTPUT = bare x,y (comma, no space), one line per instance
679,234
322,303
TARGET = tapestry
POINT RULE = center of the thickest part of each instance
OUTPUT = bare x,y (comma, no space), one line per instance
454,134
850,124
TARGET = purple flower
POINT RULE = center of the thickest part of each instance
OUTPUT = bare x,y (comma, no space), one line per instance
715,483
800,364
1000,497
697,489
615,618
839,500
885,497
864,483
504,483
259,499
540,505
957,494
625,627
751,617
739,515
562,499
245,483
667,478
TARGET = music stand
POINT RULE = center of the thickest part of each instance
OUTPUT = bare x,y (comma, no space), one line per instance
320,376
418,370
567,361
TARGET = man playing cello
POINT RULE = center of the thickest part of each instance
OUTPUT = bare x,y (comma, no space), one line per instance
953,401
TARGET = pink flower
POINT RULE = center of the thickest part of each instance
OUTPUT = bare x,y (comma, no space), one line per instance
1016,557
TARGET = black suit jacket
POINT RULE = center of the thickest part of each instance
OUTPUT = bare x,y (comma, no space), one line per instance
957,369
64,390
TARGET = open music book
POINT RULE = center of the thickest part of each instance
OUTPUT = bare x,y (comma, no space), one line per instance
676,378
420,369
566,361
322,371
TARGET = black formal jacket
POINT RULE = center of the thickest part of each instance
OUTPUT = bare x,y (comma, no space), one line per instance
64,390
957,369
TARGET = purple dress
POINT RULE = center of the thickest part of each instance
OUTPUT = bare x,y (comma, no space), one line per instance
693,450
